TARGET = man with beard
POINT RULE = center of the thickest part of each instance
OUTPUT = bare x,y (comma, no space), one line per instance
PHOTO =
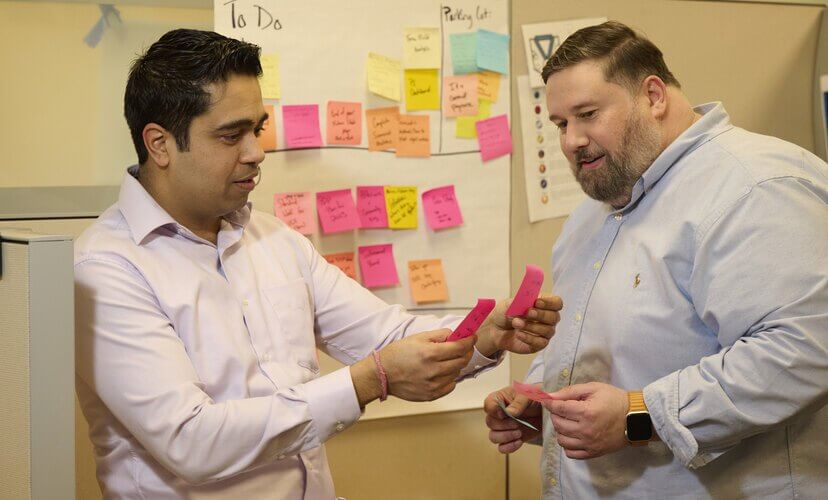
691,358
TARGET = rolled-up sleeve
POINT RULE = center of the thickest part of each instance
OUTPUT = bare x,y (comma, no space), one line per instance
760,284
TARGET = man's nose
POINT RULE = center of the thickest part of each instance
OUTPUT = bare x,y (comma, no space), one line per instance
574,139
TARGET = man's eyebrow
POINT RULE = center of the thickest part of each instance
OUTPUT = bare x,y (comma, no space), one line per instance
241,123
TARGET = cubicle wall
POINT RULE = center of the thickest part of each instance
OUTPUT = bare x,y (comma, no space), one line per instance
37,452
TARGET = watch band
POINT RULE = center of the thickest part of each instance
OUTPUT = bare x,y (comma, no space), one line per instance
636,399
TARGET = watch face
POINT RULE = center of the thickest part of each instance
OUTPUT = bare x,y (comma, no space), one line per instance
639,427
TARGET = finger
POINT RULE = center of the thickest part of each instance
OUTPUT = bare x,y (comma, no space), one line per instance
550,302
437,336
577,391
535,342
578,454
518,405
566,409
444,351
501,437
566,427
501,424
543,316
570,443
512,447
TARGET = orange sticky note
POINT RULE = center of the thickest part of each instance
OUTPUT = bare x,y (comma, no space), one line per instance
267,139
414,137
382,128
427,281
345,262
460,95
488,85
344,123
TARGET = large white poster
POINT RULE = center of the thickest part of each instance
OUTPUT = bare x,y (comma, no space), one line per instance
320,50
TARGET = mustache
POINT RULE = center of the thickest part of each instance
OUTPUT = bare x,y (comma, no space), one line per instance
584,154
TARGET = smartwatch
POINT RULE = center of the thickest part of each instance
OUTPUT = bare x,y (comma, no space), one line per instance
639,429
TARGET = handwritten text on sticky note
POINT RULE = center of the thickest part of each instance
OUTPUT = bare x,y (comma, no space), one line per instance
401,203
460,95
345,262
427,281
337,211
414,136
301,124
377,266
494,137
371,207
344,123
383,124
295,210
441,208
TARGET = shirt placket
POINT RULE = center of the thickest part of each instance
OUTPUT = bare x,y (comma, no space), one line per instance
567,353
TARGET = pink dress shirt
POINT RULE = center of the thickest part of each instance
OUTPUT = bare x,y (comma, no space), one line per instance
196,363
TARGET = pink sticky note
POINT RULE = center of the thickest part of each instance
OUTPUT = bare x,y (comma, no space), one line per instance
301,124
473,320
336,211
441,208
531,391
376,263
371,207
494,137
527,293
295,210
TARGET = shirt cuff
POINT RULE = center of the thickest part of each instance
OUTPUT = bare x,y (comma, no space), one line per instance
333,403
662,400
480,364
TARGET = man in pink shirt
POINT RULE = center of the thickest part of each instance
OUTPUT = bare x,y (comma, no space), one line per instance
198,318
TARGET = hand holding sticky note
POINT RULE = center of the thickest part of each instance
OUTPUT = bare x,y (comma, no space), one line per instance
528,292
473,320
531,391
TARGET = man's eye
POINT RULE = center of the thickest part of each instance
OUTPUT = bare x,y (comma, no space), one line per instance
561,125
258,131
588,114
230,138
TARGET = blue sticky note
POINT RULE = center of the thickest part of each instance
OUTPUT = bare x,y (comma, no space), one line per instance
492,51
463,53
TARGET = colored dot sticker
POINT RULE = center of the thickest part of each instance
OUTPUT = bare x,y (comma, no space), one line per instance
544,199
537,110
542,168
541,154
543,184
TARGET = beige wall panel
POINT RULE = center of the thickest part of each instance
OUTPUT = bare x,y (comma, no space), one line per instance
430,457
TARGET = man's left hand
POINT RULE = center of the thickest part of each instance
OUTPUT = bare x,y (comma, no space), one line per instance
522,335
589,419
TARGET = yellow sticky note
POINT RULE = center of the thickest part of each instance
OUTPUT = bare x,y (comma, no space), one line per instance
269,81
465,124
384,76
421,48
422,89
427,281
488,85
401,204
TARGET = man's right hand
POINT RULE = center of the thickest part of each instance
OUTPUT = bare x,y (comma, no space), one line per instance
507,434
423,367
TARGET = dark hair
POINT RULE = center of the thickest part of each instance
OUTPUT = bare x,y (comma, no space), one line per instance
167,84
627,57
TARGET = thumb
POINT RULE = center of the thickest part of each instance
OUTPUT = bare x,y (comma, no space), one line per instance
518,405
437,335
577,392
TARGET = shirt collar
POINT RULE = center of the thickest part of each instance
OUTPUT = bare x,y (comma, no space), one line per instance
144,215
714,121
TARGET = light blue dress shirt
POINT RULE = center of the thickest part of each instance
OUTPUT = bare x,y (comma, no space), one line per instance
709,291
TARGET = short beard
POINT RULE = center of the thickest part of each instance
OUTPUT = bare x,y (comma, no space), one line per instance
613,182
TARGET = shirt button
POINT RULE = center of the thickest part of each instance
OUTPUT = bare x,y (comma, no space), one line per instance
618,216
553,482
597,265
578,317
340,427
565,372
477,367
266,357
245,303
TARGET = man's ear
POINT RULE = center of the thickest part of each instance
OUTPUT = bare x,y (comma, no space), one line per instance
655,91
156,140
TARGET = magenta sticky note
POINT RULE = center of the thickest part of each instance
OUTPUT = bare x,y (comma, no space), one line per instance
301,124
493,137
376,263
336,211
473,320
441,208
527,293
295,210
371,207
532,392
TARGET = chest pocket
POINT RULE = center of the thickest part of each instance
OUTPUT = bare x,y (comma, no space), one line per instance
293,328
